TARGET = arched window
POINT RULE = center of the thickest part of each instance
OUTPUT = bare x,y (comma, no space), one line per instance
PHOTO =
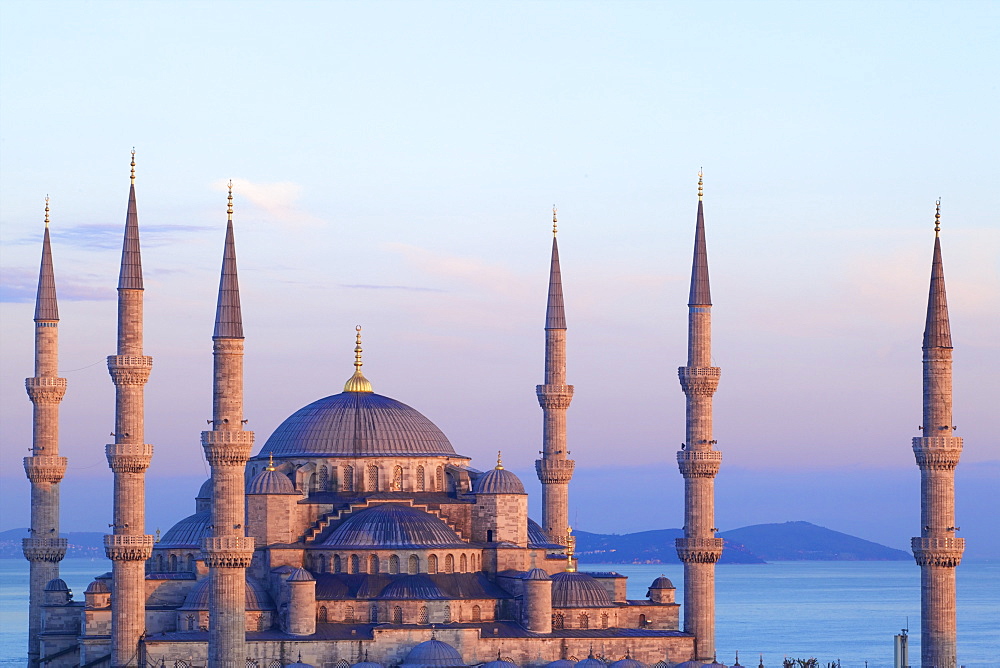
349,614
348,481
558,622
274,664
190,562
343,663
397,479
322,616
397,615
373,615
173,562
439,480
414,566
190,622
449,564
604,621
394,564
321,563
422,617
355,563
584,621
337,567
373,564
420,478
432,564
463,564
477,614
642,621
371,481
324,478
311,483
447,614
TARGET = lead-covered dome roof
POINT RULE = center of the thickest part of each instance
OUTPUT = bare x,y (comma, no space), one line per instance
257,597
270,481
356,424
578,590
393,525
498,481
188,532
432,653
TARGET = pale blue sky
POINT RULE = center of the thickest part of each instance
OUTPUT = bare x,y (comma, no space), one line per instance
395,163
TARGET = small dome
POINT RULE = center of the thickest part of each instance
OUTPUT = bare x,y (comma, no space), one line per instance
662,582
98,587
300,664
300,575
368,664
432,654
561,663
188,532
270,481
413,587
499,663
536,574
205,492
591,662
58,584
257,597
393,525
715,664
578,590
690,664
628,663
498,481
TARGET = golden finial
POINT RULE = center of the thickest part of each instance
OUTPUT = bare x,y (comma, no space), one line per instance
229,212
499,462
133,165
357,382
46,211
701,183
555,221
270,462
570,549
937,217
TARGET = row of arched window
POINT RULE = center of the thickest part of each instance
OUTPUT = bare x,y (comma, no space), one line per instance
172,563
395,613
583,621
370,480
372,564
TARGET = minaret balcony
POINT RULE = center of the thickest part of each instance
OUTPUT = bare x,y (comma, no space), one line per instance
45,389
227,448
699,463
699,380
44,549
554,471
228,551
129,369
45,468
937,453
557,397
699,550
129,457
944,552
120,547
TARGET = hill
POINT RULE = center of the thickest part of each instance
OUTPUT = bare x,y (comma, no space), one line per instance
82,544
757,544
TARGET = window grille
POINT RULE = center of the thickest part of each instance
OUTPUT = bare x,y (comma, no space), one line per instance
449,564
394,564
422,616
432,564
463,564
477,613
397,479
349,615
348,478
397,615
414,564
420,478
584,621
355,563
439,480
373,564
372,478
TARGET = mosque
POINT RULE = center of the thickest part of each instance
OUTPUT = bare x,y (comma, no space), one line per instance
357,536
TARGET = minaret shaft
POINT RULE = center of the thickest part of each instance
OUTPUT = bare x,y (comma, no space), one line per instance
44,549
698,461
555,468
128,547
938,551
228,551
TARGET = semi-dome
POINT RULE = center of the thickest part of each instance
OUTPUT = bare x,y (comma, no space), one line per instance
498,481
578,590
300,575
356,424
393,525
257,597
413,587
433,654
537,536
270,481
205,491
188,532
536,574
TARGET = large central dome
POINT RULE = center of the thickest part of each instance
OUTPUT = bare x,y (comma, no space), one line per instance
356,424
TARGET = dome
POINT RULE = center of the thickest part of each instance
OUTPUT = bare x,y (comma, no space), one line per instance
58,584
256,597
188,532
416,587
433,653
498,481
205,491
536,574
690,664
499,663
393,526
561,663
368,664
591,662
270,481
578,590
628,662
356,424
300,575
662,582
98,587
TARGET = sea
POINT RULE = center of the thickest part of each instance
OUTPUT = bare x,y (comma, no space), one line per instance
832,611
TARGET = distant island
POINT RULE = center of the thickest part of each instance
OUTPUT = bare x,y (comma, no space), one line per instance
757,544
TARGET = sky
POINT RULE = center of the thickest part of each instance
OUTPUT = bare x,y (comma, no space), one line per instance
395,165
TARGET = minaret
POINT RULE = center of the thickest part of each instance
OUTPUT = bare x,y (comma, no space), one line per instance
228,550
44,549
938,551
128,547
699,549
555,468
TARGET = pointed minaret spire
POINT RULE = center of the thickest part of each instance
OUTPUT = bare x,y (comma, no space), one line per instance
46,307
228,318
701,294
555,314
130,276
938,550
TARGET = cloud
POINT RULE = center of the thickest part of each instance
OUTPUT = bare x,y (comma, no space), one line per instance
392,287
19,286
277,200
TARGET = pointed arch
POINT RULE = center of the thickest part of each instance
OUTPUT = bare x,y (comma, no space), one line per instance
173,563
420,479
337,566
463,564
